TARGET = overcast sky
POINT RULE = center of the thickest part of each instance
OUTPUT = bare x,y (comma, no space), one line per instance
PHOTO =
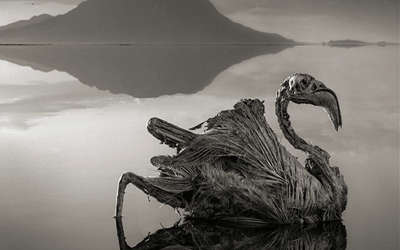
302,20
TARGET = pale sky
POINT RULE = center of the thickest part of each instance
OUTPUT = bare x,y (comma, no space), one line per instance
15,10
302,20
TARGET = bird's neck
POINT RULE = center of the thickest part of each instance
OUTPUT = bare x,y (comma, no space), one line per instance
320,167
297,142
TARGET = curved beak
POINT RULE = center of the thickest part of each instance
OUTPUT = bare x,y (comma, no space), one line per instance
327,98
323,97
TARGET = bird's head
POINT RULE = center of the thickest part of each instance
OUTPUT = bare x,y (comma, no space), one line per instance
304,89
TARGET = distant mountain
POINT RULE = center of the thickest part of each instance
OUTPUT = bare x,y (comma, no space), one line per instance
384,43
24,23
139,21
139,71
346,43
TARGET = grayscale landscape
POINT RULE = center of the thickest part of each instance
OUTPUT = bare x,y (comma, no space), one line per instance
79,81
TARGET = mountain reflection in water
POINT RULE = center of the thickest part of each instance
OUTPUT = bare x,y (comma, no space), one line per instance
139,71
202,235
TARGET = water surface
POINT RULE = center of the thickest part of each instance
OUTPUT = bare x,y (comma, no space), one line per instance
70,127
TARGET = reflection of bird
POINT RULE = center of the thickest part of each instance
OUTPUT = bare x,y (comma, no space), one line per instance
238,171
202,235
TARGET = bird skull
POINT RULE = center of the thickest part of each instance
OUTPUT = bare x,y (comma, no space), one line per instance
305,89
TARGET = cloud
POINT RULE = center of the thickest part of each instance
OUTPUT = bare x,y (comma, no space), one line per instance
310,6
16,10
312,20
33,102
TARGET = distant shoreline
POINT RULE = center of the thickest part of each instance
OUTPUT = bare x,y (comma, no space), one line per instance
151,44
293,44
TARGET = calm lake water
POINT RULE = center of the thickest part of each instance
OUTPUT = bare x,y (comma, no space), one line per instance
73,119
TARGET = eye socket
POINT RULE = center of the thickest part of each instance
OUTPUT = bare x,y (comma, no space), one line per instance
314,87
305,83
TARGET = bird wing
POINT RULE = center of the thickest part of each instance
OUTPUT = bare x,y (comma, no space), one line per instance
244,134
238,161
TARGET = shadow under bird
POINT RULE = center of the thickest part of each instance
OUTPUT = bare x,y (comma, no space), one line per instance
238,171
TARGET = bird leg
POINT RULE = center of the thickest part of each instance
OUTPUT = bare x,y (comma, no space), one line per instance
123,245
160,188
123,182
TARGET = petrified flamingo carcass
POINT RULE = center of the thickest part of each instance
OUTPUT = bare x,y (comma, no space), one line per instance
238,171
